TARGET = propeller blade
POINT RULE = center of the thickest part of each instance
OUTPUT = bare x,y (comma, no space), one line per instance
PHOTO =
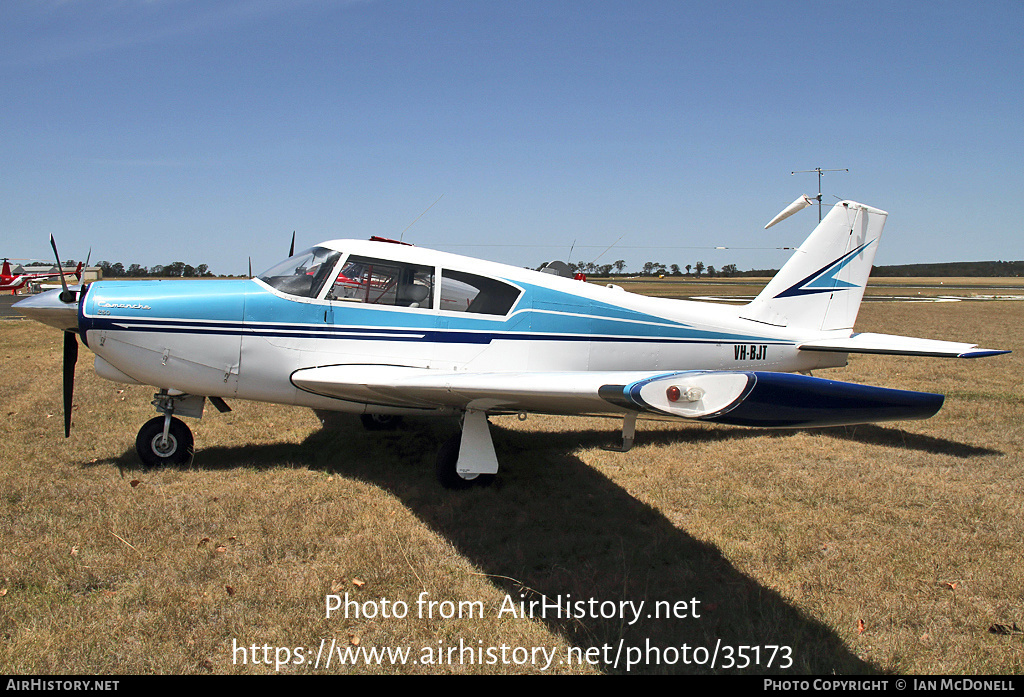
70,358
64,284
291,250
66,296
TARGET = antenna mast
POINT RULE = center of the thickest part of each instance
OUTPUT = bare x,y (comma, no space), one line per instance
400,237
819,170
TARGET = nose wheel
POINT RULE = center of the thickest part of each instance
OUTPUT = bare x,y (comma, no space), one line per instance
164,440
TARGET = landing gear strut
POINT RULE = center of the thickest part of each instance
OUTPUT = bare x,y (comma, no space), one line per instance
468,459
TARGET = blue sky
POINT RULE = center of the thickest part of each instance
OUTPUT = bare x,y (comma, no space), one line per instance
207,131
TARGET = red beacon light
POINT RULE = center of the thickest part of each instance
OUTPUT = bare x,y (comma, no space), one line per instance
690,394
376,238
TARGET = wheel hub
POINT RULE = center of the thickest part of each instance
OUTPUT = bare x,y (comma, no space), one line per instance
164,447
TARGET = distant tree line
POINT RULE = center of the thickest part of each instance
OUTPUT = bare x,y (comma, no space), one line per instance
996,269
953,269
68,263
654,268
174,269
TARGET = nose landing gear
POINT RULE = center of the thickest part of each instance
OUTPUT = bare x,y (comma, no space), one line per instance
166,440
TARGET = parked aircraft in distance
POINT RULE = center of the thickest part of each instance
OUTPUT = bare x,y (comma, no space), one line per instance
15,282
385,330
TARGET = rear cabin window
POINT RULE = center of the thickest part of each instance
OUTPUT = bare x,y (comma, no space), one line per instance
467,292
384,282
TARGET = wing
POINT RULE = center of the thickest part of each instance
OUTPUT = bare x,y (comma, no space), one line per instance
748,398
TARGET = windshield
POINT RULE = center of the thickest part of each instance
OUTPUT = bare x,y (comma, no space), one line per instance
304,274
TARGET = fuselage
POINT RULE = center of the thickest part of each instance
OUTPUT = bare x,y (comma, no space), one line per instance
351,302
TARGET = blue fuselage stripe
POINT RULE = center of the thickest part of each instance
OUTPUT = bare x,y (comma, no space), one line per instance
243,308
430,335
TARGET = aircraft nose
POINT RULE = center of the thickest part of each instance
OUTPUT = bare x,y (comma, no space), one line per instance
49,309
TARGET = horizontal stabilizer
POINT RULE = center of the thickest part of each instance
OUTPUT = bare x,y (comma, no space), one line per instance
899,346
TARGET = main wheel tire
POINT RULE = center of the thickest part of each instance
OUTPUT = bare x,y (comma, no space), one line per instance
380,422
155,452
448,475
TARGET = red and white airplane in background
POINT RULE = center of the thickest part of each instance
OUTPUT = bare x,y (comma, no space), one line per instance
15,282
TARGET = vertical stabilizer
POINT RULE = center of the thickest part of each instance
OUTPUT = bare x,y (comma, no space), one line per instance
822,284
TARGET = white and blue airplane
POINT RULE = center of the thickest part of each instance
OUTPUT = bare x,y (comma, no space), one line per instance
385,329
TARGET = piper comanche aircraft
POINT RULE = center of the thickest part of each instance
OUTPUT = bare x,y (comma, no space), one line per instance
386,329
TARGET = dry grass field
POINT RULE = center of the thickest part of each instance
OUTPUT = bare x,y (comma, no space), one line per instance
878,288
893,548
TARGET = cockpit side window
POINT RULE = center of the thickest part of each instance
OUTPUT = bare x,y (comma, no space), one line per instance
303,275
467,292
384,282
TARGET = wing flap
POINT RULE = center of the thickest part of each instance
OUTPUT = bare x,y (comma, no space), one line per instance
549,392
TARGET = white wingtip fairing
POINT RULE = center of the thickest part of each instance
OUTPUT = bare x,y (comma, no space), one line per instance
793,208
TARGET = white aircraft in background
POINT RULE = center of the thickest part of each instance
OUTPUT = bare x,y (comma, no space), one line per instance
383,330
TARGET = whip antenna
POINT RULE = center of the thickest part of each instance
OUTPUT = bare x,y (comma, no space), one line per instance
819,170
418,217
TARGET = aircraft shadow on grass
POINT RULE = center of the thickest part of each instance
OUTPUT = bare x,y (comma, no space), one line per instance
554,528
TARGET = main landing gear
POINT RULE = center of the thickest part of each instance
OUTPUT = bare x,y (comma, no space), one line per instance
463,461
380,422
468,459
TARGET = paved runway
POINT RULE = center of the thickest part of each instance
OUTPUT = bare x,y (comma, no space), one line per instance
6,300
